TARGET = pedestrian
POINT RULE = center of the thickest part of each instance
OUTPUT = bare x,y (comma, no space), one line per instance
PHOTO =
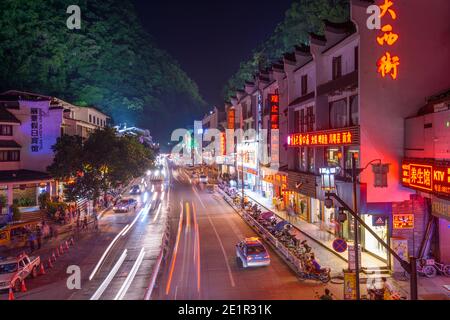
327,295
95,221
39,237
85,222
31,241
387,289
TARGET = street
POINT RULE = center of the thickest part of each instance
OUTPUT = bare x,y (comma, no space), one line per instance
202,262
134,232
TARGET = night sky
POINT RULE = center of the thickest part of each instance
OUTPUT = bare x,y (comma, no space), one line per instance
210,38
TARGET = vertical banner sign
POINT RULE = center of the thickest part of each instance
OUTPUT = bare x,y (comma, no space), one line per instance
36,130
349,286
351,257
231,118
274,111
388,63
274,106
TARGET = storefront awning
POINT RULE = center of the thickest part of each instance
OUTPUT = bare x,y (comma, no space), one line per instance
23,176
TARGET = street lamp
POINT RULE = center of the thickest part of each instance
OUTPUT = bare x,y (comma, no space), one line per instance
328,185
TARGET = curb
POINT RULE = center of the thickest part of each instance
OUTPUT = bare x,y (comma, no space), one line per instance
303,232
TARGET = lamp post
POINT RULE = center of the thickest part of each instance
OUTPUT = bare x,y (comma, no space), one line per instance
328,185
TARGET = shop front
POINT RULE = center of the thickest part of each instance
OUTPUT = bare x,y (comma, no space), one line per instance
379,224
301,201
274,186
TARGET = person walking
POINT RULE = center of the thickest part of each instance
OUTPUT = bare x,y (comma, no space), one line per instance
39,237
31,239
95,221
85,222
327,295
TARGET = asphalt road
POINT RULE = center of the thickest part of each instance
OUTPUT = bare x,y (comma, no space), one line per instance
202,261
142,240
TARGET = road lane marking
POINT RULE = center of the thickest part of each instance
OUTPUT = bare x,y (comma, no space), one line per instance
157,213
175,249
126,285
198,197
110,276
223,250
106,252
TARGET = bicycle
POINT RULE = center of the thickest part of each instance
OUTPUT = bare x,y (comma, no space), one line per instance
442,268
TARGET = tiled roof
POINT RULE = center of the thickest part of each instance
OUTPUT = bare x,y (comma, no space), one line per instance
6,116
9,144
23,175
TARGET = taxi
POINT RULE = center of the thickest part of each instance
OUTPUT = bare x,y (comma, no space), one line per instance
250,252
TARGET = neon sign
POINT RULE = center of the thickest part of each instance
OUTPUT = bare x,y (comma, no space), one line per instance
403,221
336,137
223,144
388,63
231,118
431,177
274,104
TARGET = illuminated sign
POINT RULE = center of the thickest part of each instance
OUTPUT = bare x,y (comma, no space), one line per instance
231,118
274,105
335,137
36,130
388,63
223,144
440,208
276,179
428,176
403,221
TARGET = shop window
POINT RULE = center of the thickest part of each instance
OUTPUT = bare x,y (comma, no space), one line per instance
311,160
338,114
354,110
302,120
348,157
6,130
332,157
337,67
380,171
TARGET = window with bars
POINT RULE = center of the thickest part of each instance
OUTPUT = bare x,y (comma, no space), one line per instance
6,130
9,155
310,119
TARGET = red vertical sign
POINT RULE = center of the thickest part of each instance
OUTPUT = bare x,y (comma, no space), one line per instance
274,105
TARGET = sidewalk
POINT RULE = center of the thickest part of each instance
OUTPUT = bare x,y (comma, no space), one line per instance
312,231
429,289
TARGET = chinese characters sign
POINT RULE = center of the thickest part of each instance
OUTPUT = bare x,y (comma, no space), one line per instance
274,111
231,118
223,144
388,63
403,221
337,137
432,177
36,130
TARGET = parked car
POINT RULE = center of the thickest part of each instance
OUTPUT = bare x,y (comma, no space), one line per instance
251,252
15,269
125,205
136,189
203,179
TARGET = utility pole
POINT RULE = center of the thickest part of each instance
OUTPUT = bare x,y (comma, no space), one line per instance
356,231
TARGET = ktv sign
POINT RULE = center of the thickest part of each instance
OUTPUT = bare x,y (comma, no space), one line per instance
427,176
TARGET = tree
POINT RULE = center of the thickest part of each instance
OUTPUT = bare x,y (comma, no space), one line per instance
103,161
111,62
303,17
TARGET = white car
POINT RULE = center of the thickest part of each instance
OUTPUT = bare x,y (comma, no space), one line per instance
14,270
203,179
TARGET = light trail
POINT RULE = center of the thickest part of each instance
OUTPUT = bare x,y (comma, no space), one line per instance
175,250
106,252
110,276
126,285
197,246
157,213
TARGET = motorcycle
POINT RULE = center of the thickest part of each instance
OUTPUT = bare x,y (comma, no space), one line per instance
323,275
